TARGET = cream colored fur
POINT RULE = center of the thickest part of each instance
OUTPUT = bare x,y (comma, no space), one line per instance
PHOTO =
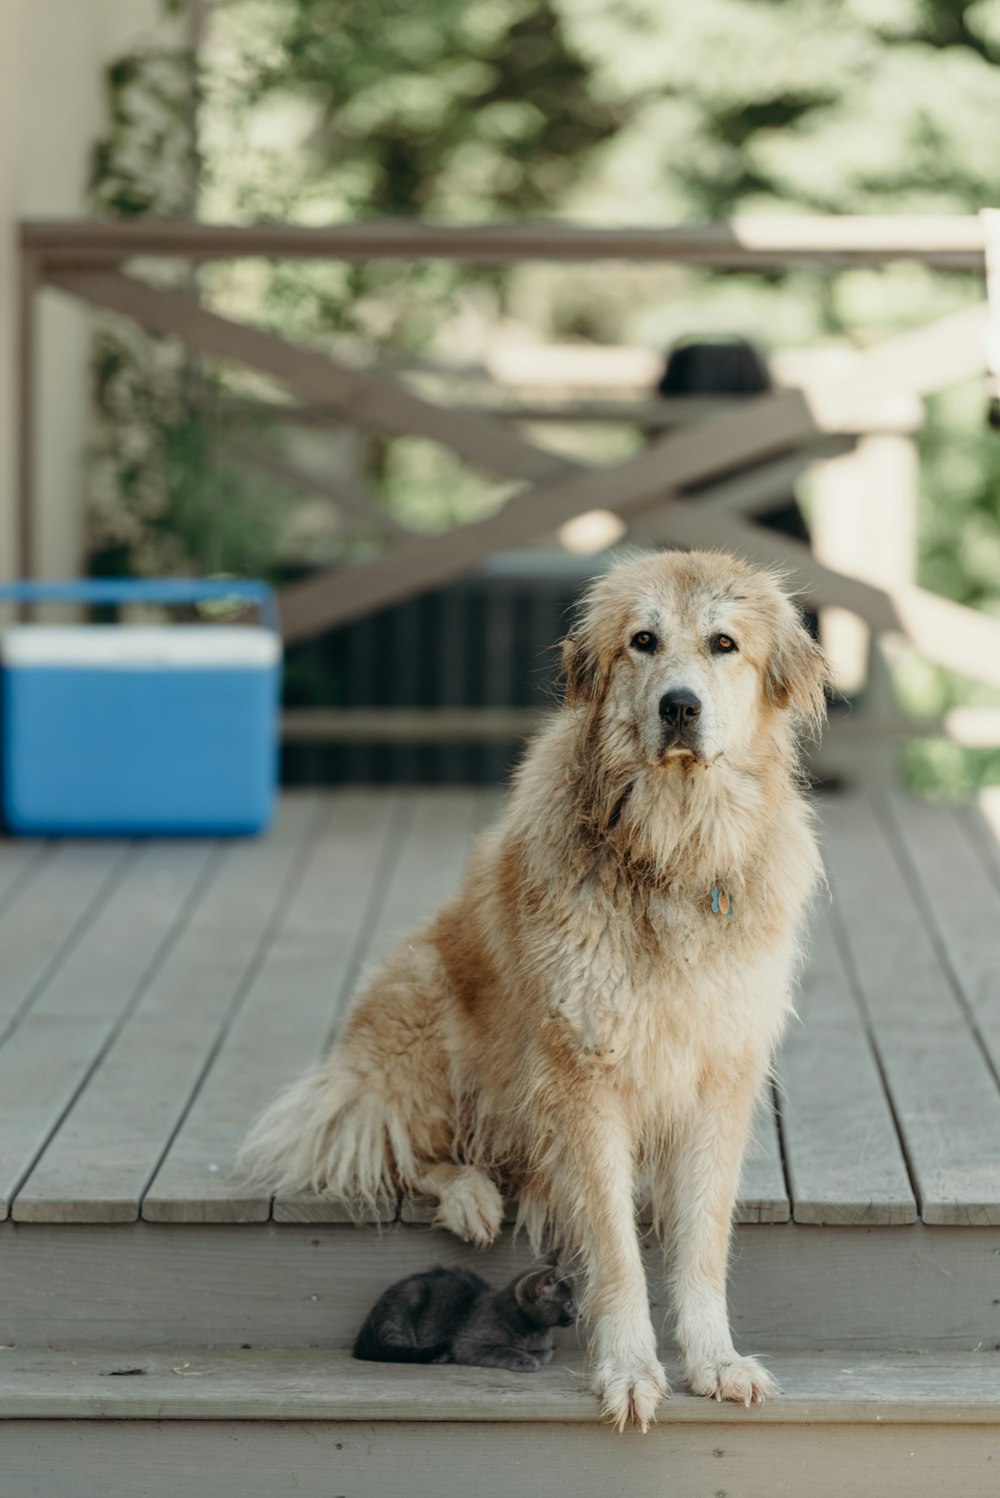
578,1015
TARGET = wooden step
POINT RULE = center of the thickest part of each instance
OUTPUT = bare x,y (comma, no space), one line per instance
791,1288
225,1383
196,1420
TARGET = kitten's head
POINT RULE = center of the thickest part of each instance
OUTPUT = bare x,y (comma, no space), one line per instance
547,1297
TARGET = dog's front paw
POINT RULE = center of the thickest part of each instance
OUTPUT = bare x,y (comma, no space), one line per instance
742,1380
471,1207
630,1389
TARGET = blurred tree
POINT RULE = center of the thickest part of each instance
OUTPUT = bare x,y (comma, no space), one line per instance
160,499
604,111
426,106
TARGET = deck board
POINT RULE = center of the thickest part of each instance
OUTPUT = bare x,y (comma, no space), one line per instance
962,907
156,995
48,915
945,1096
843,1154
48,1059
282,1025
763,1195
100,1161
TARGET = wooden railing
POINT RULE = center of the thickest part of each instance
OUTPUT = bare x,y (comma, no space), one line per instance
737,454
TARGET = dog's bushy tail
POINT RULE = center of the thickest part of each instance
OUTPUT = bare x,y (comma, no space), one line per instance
331,1132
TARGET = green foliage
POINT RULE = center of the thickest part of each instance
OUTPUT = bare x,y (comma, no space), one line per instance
603,111
437,108
161,499
149,159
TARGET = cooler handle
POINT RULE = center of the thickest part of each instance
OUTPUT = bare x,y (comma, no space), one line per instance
172,590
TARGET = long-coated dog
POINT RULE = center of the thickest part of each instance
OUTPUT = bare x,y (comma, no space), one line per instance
601,1001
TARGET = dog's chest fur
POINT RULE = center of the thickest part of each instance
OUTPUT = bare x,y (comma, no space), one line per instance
653,985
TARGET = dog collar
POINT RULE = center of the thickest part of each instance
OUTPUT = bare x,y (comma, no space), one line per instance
722,904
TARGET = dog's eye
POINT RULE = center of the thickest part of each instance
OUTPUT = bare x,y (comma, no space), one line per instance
645,641
723,645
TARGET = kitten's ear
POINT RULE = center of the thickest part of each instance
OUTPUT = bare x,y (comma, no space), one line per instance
529,1289
524,1291
548,1286
555,1286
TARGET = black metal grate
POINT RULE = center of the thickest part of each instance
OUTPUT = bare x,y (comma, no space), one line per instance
483,642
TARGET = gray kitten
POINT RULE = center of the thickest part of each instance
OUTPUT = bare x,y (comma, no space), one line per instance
453,1316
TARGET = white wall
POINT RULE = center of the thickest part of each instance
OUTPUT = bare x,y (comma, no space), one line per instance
52,58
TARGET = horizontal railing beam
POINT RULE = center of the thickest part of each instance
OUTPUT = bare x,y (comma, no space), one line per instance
947,242
970,727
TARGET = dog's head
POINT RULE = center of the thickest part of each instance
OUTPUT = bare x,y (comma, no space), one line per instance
691,656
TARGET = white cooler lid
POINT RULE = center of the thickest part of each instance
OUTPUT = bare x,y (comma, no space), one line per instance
110,645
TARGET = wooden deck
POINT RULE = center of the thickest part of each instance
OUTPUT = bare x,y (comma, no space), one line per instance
154,995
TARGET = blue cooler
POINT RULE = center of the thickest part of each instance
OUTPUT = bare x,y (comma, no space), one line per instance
139,730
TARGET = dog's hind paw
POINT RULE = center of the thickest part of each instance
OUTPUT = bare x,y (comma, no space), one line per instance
743,1380
630,1390
470,1206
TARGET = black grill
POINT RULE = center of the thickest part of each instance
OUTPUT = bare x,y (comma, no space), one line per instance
487,641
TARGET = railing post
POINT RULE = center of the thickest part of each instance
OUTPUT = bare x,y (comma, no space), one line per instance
29,280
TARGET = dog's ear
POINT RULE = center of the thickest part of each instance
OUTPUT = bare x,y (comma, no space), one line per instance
580,670
797,673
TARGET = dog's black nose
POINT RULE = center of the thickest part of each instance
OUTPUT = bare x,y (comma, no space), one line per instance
679,708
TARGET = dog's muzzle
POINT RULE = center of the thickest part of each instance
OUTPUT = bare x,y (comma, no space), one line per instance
680,712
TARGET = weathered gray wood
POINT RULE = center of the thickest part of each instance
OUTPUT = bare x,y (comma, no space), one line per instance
763,1192
897,411
501,725
791,1288
888,946
432,851
763,1195
20,860
844,1158
981,820
308,481
757,429
961,904
420,725
372,400
946,633
48,913
129,933
944,1095
107,1459
286,1016
753,492
100,1160
951,241
490,804
194,1383
48,1058
429,866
